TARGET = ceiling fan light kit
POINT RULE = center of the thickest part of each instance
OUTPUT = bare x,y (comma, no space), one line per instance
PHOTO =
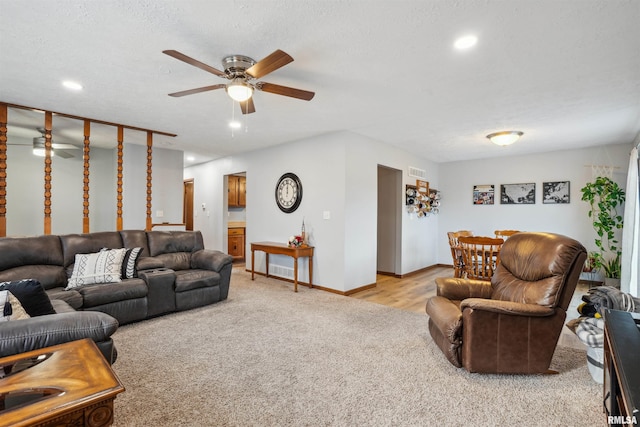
239,91
41,152
242,71
505,137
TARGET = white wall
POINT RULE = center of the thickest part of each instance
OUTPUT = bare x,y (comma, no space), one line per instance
25,189
25,192
339,176
166,186
458,212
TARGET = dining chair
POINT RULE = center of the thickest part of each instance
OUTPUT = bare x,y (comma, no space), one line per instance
480,256
504,234
456,253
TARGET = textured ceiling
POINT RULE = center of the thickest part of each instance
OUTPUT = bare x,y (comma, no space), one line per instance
566,73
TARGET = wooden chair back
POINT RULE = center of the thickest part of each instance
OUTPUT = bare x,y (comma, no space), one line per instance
480,256
456,253
504,234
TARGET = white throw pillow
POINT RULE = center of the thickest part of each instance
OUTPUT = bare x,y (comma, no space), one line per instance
11,307
99,267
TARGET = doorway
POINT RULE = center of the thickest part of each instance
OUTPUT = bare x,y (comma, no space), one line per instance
187,204
389,241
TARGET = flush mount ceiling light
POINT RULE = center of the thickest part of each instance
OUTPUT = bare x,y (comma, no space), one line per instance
505,137
239,90
466,42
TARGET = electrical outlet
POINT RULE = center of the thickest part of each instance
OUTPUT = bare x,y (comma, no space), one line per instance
326,215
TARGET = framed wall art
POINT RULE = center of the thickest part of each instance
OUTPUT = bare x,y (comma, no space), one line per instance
483,194
555,192
518,194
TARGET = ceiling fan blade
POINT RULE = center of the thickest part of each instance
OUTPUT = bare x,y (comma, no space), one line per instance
247,106
56,146
269,64
286,91
63,154
184,58
197,90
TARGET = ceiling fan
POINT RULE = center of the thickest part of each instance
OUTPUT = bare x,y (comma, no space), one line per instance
59,150
242,72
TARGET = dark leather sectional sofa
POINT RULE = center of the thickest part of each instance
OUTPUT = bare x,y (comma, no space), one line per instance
174,273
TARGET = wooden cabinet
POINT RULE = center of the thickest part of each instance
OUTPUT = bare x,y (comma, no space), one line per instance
237,191
236,243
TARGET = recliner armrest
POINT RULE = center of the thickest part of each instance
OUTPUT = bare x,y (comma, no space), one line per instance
507,307
446,316
149,263
209,259
19,336
458,289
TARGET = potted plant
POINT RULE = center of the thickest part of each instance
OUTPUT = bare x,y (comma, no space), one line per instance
590,262
605,197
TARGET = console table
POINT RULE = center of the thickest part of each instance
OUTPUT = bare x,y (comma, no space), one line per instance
284,249
69,384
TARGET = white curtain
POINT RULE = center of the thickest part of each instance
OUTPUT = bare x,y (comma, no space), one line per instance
630,238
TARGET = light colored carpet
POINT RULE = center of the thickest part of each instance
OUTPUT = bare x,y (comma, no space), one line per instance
270,357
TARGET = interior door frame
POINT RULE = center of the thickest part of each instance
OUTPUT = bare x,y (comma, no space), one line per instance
187,204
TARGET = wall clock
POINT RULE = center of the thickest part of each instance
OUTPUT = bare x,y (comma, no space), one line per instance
288,192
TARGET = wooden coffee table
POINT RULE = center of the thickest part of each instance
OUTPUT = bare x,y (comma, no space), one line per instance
69,384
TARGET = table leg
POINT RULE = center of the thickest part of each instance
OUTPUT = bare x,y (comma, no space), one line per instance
295,274
311,272
253,262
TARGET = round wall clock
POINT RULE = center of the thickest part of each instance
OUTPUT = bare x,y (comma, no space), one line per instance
288,192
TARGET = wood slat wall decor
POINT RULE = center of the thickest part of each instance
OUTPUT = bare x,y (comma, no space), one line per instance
3,169
48,119
4,119
71,116
149,224
119,178
85,179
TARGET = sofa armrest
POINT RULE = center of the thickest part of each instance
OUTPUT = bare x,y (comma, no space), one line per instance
458,289
19,336
149,263
208,259
507,307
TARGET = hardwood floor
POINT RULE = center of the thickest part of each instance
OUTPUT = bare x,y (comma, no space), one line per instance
407,293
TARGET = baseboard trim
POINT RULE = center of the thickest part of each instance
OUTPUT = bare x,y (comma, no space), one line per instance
271,276
423,270
361,288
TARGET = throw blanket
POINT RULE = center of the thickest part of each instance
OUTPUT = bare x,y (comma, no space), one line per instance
609,297
590,330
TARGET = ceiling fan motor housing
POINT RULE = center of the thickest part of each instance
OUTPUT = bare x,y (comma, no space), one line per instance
236,65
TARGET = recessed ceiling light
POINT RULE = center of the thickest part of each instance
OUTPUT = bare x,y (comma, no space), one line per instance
466,42
72,85
235,124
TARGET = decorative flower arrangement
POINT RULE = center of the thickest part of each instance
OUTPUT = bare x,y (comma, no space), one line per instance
296,241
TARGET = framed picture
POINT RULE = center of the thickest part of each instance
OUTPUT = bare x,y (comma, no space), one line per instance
556,192
518,194
483,194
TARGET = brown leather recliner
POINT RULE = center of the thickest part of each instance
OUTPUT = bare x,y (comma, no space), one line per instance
510,325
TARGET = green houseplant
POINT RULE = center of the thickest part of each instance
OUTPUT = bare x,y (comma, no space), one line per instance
605,197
